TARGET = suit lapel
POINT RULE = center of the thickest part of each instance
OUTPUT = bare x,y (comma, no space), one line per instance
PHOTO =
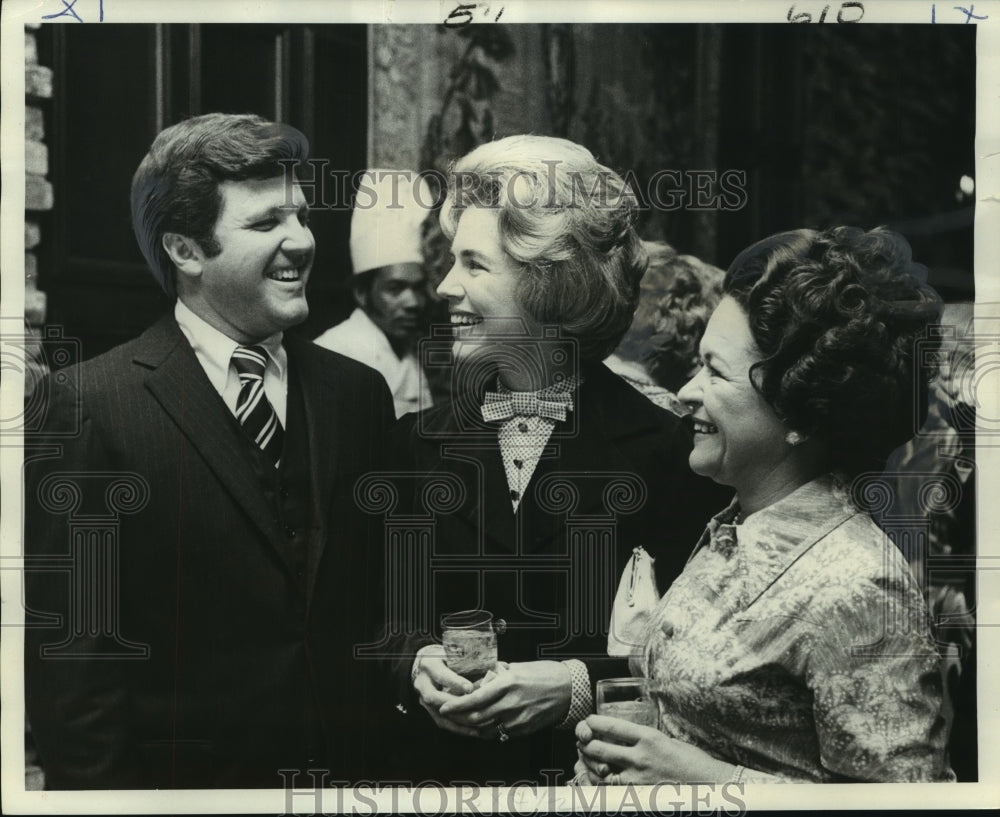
594,446
475,460
503,528
178,382
591,454
317,385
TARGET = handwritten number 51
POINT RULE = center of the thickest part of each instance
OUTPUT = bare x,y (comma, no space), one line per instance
461,15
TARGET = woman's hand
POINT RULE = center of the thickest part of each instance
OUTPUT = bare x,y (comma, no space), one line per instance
642,755
523,697
583,776
437,685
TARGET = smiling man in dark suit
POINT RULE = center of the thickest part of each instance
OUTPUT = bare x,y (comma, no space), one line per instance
238,560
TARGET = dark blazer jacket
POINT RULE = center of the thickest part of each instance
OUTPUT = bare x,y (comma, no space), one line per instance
614,476
176,636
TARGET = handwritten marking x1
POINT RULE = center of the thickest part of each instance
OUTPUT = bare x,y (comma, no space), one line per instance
69,11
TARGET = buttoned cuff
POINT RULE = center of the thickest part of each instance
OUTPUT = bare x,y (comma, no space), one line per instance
581,701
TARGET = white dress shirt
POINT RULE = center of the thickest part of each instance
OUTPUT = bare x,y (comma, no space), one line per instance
214,351
522,439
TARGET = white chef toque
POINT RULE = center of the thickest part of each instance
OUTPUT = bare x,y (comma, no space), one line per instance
389,209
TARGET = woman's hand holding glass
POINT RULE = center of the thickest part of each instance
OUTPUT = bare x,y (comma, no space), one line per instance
436,685
524,697
467,691
615,751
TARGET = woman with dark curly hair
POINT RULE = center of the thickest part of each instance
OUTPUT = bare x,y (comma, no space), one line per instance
795,644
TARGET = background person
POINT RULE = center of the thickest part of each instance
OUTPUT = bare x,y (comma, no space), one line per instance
693,290
229,450
795,644
944,448
389,285
544,437
659,353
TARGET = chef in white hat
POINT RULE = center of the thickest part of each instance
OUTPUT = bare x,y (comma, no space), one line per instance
389,284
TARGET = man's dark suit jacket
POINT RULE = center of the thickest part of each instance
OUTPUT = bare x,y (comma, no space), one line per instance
614,477
230,655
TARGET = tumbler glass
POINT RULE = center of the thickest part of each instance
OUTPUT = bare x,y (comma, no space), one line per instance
628,699
470,642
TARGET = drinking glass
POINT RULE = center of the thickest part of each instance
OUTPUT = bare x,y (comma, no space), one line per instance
628,699
470,642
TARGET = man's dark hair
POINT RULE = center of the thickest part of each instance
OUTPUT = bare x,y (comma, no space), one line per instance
176,187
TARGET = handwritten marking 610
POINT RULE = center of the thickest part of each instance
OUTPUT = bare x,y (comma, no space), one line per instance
849,12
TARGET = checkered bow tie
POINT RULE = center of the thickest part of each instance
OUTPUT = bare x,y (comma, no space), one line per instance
504,405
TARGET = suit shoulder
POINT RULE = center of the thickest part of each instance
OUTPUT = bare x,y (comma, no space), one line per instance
361,387
89,389
345,366
644,407
109,370
633,406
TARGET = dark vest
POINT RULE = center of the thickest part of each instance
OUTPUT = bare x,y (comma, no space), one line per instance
287,488
288,491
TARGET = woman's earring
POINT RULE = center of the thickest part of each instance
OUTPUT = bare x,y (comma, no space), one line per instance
793,438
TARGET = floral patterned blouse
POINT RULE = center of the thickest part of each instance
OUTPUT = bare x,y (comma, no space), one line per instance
797,645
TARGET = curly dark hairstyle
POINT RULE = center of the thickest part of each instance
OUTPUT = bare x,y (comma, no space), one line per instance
837,315
692,293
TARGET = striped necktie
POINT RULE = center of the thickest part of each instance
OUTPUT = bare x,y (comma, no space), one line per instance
253,410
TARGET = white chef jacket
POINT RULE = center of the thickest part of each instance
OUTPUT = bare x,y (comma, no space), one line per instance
359,338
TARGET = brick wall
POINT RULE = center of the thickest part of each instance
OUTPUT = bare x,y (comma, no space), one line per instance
37,199
38,190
